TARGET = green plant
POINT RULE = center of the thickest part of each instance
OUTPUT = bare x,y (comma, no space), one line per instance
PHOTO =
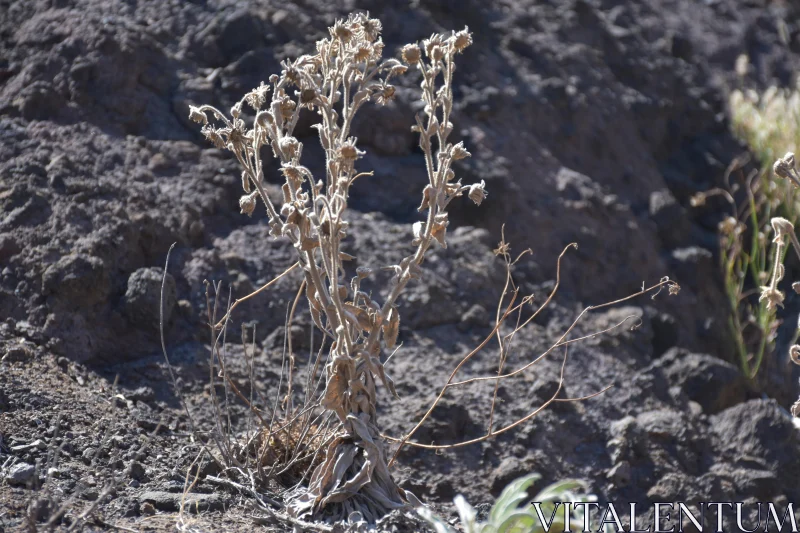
511,514
744,255
769,123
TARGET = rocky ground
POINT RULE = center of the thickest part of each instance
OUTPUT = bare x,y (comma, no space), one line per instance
591,122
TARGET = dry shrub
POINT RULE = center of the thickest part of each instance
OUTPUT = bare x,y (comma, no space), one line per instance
331,439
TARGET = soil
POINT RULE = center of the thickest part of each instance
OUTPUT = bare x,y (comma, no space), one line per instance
591,121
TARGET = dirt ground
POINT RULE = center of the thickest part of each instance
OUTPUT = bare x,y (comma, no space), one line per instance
591,121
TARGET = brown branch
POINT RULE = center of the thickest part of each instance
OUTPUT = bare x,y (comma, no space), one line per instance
480,347
490,433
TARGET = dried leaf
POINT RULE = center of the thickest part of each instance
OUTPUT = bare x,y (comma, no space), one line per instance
360,317
308,244
426,198
334,396
391,327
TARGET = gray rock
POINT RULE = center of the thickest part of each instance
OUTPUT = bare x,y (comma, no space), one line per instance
20,473
762,429
620,473
711,382
670,218
476,316
168,501
17,352
507,471
143,297
141,394
77,279
671,487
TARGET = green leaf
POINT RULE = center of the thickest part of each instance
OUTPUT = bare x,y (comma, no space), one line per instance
514,494
558,490
520,522
466,514
436,522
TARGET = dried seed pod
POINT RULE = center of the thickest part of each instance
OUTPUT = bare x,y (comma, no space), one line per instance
307,244
195,115
781,226
459,152
794,353
477,192
247,204
349,151
289,146
308,96
411,54
371,28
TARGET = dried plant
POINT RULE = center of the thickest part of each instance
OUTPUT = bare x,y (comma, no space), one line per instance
771,296
335,429
768,122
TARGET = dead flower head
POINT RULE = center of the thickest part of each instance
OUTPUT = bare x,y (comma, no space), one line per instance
384,93
782,227
460,152
195,115
461,40
411,54
247,203
477,192
342,30
349,151
772,296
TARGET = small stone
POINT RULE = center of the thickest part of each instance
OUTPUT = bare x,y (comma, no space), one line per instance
20,473
142,394
17,352
88,455
136,470
142,301
37,444
620,474
169,501
90,494
475,317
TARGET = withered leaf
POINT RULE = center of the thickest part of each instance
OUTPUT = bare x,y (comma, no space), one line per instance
391,327
360,316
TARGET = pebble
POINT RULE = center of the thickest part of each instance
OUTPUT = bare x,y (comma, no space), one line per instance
20,473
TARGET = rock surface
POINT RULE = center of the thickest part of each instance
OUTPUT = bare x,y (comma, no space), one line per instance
591,121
